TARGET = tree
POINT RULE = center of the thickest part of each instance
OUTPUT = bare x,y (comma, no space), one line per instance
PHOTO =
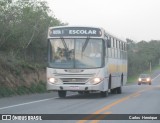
24,27
141,54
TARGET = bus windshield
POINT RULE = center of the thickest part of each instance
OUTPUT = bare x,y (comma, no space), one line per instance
75,53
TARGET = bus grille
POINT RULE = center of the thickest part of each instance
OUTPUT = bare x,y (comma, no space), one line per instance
74,80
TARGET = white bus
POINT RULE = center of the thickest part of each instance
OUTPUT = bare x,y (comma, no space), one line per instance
84,60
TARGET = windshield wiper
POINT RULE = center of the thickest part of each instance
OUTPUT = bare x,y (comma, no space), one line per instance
64,43
85,44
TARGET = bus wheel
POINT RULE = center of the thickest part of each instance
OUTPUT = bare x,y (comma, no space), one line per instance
119,90
104,93
62,94
113,91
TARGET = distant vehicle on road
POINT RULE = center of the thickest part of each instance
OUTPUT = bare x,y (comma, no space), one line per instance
144,79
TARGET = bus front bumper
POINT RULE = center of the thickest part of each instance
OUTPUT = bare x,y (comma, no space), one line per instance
74,87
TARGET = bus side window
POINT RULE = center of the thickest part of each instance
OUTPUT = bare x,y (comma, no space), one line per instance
116,43
113,43
122,46
109,42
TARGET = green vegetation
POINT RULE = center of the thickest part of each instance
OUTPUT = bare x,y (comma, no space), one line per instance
35,88
23,29
132,79
23,42
140,56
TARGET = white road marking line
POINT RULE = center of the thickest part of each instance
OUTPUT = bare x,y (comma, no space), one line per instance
21,104
26,103
155,77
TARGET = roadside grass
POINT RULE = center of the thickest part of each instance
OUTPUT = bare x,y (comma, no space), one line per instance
11,64
134,78
21,90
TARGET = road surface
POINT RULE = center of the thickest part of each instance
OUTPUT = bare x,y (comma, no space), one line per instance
135,99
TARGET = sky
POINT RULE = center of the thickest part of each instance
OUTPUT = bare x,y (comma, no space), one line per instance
134,19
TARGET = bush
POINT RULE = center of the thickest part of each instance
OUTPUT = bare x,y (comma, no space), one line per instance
21,90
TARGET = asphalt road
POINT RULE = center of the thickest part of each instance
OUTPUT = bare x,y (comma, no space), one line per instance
135,99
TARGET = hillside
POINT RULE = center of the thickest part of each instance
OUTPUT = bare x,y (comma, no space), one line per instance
23,45
19,77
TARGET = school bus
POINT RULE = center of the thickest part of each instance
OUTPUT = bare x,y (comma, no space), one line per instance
85,60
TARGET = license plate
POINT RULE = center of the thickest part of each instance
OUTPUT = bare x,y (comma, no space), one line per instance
74,88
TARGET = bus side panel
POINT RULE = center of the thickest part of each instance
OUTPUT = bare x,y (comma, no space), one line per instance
116,69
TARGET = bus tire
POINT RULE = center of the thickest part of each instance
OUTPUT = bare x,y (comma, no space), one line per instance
104,93
119,90
62,94
113,91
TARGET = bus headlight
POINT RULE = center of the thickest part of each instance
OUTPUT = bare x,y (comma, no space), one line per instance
52,80
148,79
95,80
139,79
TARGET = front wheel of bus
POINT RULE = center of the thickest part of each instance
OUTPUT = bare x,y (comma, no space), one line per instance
62,94
104,93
